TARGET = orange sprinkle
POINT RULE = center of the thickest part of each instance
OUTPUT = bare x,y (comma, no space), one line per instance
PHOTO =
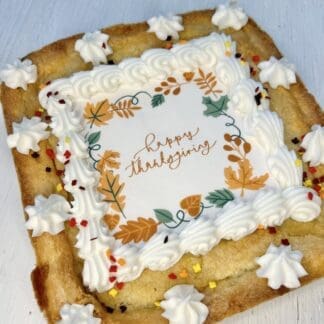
121,262
182,41
108,253
183,273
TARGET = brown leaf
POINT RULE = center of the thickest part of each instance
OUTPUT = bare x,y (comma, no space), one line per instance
237,141
243,177
188,76
247,147
166,92
140,230
124,108
172,79
164,84
176,91
201,73
228,148
108,159
98,114
111,220
158,89
233,158
228,137
199,80
191,204
111,188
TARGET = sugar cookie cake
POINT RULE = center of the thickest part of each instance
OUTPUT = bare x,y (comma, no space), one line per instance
170,170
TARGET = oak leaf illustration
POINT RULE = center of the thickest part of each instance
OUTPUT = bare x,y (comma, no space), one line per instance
191,204
188,76
111,188
112,220
125,108
109,159
138,230
207,82
98,114
243,177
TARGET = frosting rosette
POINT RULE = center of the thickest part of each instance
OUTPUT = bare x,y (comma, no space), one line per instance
163,27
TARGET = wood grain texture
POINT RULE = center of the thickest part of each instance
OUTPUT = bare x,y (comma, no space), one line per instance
28,25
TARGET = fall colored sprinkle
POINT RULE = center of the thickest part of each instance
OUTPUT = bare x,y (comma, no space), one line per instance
50,153
66,162
112,258
120,285
212,284
260,227
196,268
59,187
113,292
112,279
72,222
108,253
123,308
227,44
56,93
48,118
238,55
49,93
113,268
81,188
256,59
301,150
183,273
172,276
61,101
157,304
48,169
67,154
310,196
298,162
285,242
295,140
228,53
308,183
304,175
121,262
38,113
168,45
35,155
84,223
59,172
182,41
74,182
272,230
67,139
94,238
166,239
312,170
315,181
317,188
321,179
109,310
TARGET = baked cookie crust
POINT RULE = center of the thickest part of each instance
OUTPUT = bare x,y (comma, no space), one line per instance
57,276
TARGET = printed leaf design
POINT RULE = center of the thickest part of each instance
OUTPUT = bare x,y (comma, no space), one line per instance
188,76
220,198
140,230
93,138
125,108
112,220
207,82
191,204
98,114
171,84
109,159
242,178
215,108
157,100
163,216
111,188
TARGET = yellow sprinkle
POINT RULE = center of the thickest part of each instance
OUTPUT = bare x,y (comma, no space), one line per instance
67,139
298,162
108,253
260,227
182,41
228,44
121,262
212,284
308,183
196,268
157,304
242,62
113,292
40,109
263,94
59,187
183,273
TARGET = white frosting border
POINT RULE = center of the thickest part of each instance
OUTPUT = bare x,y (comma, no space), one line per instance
199,236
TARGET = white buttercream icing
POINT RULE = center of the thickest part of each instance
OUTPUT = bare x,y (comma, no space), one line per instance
165,26
281,266
277,72
93,47
27,134
78,314
19,74
230,15
183,304
313,143
47,214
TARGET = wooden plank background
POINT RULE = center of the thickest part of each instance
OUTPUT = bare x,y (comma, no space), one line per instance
297,28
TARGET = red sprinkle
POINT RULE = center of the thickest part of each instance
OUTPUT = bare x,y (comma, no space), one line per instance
120,285
38,113
113,268
304,176
59,172
72,222
49,93
285,242
84,223
317,188
103,45
310,196
67,154
321,179
50,154
112,258
172,276
48,82
312,169
74,182
301,150
272,230
112,279
256,59
315,181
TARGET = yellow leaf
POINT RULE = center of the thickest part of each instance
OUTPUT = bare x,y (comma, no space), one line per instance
98,114
140,230
111,220
191,204
109,160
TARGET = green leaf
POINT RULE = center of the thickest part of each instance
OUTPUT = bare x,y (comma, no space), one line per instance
215,108
220,198
93,138
157,100
163,215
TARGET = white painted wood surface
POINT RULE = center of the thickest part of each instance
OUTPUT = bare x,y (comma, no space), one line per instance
297,28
